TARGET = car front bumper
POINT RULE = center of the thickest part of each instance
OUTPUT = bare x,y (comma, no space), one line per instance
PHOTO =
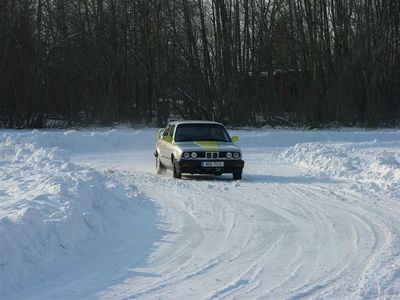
193,166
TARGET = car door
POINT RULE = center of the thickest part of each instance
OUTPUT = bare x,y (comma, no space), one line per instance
169,147
163,146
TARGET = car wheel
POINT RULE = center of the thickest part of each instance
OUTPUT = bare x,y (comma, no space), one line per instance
237,176
160,169
176,174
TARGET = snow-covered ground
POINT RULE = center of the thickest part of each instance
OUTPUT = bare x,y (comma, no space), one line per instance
83,216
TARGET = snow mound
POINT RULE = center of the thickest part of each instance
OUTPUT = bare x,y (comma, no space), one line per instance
379,168
86,141
54,213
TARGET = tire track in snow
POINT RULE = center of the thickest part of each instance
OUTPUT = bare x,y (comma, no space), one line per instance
174,277
310,224
386,235
318,219
338,279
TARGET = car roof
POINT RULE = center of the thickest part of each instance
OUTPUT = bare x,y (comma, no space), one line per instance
193,122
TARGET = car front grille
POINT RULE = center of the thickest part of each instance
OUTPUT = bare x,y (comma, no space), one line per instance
212,155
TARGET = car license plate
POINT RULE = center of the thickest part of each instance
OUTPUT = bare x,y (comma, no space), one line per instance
217,164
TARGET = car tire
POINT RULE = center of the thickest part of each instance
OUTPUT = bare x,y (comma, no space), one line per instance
175,172
160,169
237,176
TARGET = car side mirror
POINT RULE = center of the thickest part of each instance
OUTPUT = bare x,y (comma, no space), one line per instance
235,138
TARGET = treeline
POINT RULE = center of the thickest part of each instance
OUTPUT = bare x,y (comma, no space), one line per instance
242,62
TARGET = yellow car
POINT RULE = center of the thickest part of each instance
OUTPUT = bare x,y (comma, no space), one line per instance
198,147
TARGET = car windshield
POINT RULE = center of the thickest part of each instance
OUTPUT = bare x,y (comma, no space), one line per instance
201,132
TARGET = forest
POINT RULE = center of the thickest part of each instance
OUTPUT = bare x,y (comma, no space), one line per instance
309,63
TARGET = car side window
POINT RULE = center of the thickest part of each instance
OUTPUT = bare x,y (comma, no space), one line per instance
166,131
171,131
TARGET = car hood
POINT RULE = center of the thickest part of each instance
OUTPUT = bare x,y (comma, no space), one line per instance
209,146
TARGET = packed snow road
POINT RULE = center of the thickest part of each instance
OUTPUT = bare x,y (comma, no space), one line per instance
315,216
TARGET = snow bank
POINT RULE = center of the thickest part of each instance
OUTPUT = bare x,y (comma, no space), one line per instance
87,141
54,213
287,138
377,164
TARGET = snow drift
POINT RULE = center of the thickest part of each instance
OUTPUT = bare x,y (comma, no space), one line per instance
54,213
366,162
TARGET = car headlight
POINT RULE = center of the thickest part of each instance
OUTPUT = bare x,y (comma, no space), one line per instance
194,155
236,155
228,155
186,155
